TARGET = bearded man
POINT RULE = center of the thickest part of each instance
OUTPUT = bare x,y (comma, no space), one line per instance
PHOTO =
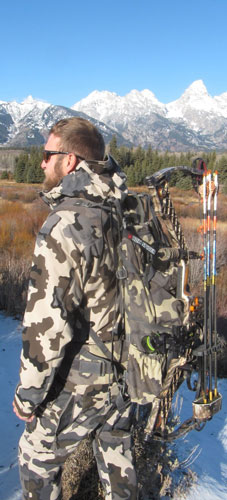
67,387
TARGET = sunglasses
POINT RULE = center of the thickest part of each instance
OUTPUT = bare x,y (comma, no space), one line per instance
47,154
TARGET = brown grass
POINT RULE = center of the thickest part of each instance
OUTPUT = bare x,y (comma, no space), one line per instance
20,221
22,214
18,227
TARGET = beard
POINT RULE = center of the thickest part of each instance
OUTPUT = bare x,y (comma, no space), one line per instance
53,179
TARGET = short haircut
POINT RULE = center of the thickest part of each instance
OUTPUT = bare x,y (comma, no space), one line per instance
81,137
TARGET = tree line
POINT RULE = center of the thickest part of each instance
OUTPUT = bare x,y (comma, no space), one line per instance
137,163
27,166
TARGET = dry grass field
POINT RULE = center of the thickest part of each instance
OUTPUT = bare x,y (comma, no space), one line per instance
22,214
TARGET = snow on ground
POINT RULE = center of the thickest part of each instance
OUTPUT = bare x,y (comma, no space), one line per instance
10,426
204,452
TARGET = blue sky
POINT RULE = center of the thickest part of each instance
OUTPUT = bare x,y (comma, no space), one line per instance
60,51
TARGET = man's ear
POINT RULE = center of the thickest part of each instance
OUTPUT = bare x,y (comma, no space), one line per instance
70,163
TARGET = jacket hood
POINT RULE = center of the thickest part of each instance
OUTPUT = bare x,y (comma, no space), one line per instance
93,180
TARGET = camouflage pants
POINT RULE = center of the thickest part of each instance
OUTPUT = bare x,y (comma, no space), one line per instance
48,440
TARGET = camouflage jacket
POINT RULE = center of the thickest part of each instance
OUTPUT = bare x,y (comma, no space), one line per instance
72,284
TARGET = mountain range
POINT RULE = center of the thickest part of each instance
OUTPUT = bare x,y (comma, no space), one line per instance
196,121
28,123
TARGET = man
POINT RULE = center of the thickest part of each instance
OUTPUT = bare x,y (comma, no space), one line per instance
67,388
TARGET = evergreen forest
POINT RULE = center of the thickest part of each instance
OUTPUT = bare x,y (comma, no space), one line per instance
137,163
27,166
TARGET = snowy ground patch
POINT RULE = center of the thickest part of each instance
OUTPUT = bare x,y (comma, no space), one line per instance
205,452
10,426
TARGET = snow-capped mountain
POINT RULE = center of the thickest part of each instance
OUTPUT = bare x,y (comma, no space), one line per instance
19,111
198,109
195,121
111,106
28,123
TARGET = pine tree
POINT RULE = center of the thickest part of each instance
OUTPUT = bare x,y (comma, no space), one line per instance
27,168
5,175
113,146
221,167
20,168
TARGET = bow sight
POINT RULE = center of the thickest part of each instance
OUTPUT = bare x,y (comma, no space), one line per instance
200,329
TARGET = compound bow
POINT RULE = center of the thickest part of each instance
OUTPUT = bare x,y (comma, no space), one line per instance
196,340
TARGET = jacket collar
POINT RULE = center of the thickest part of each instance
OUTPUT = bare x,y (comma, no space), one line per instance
92,180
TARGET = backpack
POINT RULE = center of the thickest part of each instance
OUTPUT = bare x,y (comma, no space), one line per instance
151,302
154,307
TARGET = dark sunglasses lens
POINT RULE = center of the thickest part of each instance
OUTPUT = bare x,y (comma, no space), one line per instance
46,155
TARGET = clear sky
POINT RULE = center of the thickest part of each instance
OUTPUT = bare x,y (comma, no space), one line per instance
60,51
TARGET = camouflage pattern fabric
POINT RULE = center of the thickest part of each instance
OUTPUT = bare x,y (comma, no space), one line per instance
72,284
149,296
51,438
64,378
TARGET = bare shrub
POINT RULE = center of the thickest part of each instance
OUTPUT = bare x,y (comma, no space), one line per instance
22,192
28,195
185,209
222,292
13,284
9,193
19,226
37,214
221,245
10,209
194,240
222,207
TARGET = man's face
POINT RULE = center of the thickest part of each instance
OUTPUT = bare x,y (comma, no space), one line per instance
53,168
